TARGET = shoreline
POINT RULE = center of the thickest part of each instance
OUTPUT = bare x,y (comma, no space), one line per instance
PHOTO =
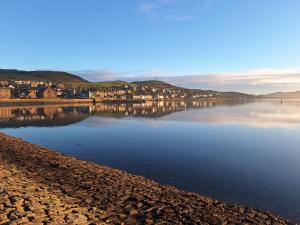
12,102
38,185
19,102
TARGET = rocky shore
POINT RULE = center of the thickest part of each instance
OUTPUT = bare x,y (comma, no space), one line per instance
39,186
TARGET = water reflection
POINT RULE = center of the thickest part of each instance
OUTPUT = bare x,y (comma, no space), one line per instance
262,114
54,115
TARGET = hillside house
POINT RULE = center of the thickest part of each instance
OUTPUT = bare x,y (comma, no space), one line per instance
59,93
120,92
4,83
83,94
5,93
32,93
34,84
99,94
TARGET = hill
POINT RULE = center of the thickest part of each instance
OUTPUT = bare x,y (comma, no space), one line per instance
52,76
153,83
120,83
100,85
109,84
282,95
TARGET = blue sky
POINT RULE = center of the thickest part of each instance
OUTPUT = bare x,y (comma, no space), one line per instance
108,39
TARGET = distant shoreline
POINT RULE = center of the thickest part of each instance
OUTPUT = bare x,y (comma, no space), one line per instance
41,185
5,102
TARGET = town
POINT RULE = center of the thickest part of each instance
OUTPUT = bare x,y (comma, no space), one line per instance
32,89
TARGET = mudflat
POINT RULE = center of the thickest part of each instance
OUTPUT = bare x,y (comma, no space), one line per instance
41,186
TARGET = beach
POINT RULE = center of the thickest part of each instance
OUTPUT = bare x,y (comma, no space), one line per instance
41,186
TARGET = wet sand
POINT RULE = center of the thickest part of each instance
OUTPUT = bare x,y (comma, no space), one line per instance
40,186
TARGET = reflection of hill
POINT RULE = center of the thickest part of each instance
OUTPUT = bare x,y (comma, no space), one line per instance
40,123
41,116
282,95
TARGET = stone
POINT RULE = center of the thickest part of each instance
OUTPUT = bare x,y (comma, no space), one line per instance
133,212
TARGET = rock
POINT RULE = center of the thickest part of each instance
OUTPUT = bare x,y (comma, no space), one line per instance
13,199
13,215
133,212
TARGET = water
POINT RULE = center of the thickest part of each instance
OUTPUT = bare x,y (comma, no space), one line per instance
245,153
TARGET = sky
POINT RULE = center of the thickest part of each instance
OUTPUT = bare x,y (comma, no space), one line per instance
242,45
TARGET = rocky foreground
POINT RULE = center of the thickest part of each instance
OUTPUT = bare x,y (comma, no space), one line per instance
39,186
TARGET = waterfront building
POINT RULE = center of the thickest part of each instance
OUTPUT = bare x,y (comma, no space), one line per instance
49,93
5,93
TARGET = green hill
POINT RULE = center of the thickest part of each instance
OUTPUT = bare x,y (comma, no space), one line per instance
109,84
153,83
119,83
52,76
100,85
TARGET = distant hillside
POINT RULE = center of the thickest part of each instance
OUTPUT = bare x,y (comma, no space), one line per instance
282,95
100,85
117,83
153,83
232,94
52,76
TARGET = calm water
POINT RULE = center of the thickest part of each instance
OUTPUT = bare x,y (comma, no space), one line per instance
246,153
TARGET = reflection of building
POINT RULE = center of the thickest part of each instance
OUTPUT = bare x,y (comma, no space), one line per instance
49,111
5,113
5,93
32,110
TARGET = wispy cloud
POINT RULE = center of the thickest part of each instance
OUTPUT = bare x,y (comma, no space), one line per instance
253,81
98,75
101,75
171,10
146,8
177,18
